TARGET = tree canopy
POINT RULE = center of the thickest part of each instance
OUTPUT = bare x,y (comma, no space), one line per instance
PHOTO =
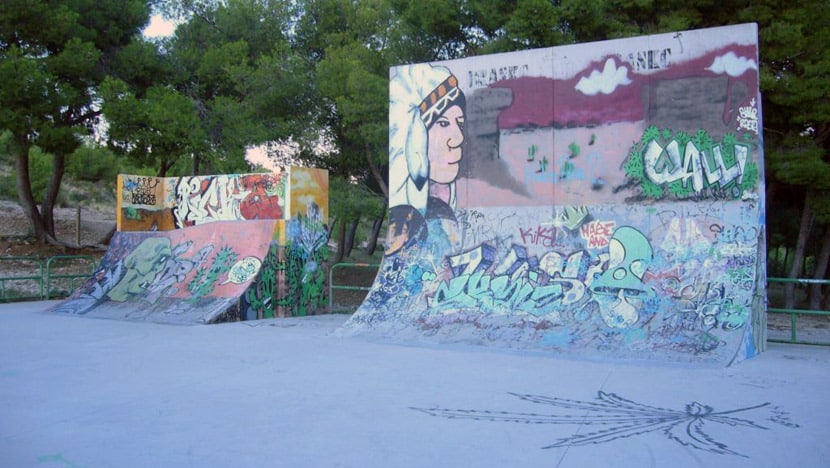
53,57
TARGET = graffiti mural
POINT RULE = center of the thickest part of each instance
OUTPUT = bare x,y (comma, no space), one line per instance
233,197
692,166
144,204
293,279
192,275
522,215
163,203
263,254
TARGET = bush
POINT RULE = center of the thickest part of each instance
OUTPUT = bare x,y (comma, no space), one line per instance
8,187
5,153
40,168
93,164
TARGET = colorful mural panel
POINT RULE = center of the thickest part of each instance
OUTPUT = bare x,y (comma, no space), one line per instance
162,203
293,280
595,199
143,204
199,200
309,192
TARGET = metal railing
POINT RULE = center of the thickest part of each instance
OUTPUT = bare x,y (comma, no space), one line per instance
794,313
333,286
72,276
18,282
43,274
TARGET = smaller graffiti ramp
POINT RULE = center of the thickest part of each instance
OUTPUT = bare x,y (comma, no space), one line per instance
194,275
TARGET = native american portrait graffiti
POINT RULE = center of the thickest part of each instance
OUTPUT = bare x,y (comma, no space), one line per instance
427,114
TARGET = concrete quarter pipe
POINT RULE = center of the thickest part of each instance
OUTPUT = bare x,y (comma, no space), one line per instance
193,275
206,249
602,199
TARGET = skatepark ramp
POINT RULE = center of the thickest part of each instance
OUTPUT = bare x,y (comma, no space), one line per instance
601,200
206,249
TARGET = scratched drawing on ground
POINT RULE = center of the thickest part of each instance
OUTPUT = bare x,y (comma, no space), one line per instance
616,417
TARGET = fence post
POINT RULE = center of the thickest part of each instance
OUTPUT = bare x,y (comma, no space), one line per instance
793,313
71,276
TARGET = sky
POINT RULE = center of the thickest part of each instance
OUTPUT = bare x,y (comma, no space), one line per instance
159,27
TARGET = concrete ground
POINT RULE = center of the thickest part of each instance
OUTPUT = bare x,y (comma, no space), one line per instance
82,392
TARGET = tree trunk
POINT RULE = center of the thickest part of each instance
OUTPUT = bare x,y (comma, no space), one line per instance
24,193
51,196
821,270
375,172
341,237
330,227
798,255
350,234
772,189
373,236
164,167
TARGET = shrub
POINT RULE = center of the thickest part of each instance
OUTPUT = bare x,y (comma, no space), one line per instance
94,164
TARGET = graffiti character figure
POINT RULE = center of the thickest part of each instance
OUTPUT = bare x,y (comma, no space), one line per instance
174,271
619,290
140,268
425,138
153,268
263,200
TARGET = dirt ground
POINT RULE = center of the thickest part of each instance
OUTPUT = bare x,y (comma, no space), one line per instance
15,232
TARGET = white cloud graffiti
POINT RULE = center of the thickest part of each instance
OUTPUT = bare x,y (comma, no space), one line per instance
605,81
732,65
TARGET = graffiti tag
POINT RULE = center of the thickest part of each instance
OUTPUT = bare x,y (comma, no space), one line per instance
655,59
597,233
486,76
541,235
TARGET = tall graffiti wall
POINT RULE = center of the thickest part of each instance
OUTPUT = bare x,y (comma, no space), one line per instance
203,234
603,198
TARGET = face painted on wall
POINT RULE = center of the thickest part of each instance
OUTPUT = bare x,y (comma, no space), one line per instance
446,136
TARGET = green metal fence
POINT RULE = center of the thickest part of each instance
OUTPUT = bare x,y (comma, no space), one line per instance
16,287
60,282
794,313
32,278
58,276
333,286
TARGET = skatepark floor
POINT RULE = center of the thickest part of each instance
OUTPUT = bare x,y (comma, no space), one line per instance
82,392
